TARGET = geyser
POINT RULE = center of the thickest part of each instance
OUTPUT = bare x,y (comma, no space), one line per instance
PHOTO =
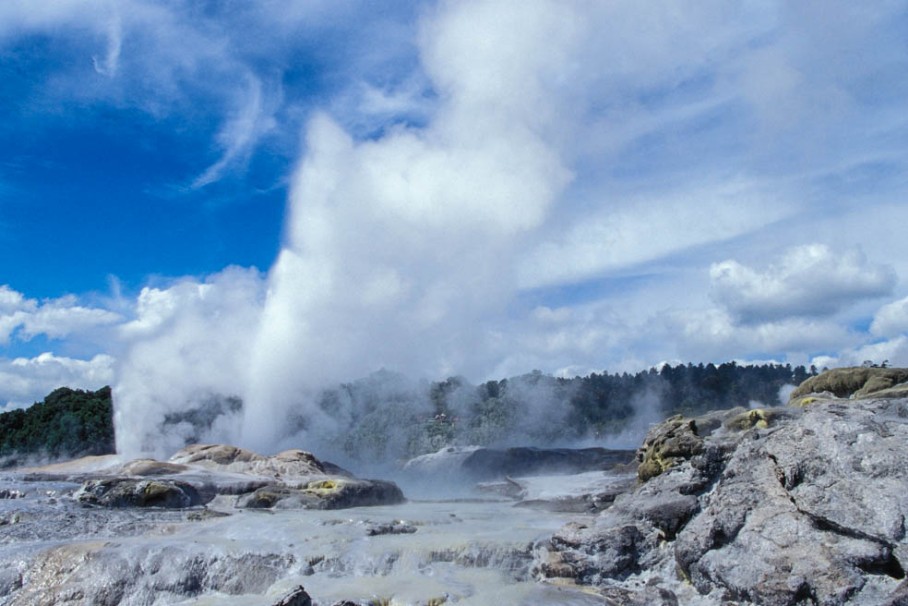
398,252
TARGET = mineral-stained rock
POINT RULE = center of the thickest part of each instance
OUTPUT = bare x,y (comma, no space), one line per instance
129,492
101,574
783,506
857,382
334,493
288,466
666,445
218,454
151,467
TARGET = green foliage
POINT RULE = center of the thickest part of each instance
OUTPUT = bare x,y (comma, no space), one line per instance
68,423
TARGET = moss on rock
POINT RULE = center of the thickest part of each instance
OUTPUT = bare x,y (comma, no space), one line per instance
670,442
852,382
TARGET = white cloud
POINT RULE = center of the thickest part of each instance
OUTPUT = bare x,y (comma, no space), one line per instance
715,335
110,63
12,301
240,133
24,318
892,351
27,380
646,228
891,319
163,59
810,280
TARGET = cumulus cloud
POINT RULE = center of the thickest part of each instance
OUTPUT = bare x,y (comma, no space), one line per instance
24,318
713,334
893,351
810,280
27,380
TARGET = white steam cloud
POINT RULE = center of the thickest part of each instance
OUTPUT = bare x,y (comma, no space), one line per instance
399,252
188,346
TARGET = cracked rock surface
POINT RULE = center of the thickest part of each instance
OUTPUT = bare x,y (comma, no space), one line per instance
783,506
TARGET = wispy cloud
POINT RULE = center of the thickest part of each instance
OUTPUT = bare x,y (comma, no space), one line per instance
240,134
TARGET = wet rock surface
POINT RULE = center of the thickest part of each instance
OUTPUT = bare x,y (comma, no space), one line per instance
297,597
775,506
128,492
490,463
483,464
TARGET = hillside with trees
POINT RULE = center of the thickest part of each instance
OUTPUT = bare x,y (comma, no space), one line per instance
68,423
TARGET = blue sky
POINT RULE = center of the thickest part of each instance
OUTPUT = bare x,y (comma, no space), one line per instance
260,198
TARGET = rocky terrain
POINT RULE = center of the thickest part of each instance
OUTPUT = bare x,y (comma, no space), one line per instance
792,505
803,504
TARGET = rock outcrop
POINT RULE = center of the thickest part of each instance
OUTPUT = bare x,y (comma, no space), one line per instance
855,382
297,597
128,492
336,493
791,505
292,479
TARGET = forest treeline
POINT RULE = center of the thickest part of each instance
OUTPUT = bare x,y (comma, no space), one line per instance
68,423
387,415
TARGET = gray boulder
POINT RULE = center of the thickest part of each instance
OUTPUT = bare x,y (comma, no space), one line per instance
130,492
333,493
297,597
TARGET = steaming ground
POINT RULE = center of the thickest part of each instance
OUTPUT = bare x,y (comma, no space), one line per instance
376,424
